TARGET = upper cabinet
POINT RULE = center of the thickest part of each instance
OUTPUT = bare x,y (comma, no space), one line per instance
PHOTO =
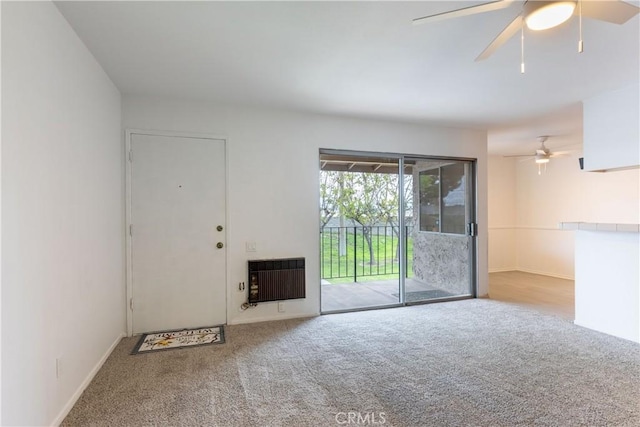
612,130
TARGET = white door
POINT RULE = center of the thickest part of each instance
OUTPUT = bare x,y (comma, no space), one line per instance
178,248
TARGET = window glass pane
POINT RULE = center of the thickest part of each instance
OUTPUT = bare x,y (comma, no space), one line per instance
430,200
453,199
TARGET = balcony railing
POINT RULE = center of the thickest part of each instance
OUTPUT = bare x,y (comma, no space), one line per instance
358,252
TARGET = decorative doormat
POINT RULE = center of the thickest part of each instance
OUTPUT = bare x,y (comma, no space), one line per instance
425,295
170,340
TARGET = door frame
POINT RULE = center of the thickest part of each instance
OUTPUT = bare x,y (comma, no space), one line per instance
128,242
471,198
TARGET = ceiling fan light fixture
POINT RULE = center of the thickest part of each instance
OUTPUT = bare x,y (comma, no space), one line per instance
542,158
542,15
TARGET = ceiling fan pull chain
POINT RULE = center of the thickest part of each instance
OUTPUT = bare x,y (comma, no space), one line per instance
580,43
522,46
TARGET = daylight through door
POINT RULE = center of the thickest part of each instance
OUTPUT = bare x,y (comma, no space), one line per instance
389,238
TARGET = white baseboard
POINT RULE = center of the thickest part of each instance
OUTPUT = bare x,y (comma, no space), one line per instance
502,270
546,273
271,318
74,398
524,270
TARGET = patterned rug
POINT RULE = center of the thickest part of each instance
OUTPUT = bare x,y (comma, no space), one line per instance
170,340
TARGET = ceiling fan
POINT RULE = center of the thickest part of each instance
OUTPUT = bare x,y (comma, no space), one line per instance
540,15
542,155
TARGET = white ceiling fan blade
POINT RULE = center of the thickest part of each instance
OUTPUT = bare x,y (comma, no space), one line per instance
525,160
502,38
614,11
465,11
520,155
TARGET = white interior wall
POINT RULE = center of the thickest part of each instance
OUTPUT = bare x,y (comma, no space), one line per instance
542,201
612,129
501,176
0,223
63,214
273,179
562,193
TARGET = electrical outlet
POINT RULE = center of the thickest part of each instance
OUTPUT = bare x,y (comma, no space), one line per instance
280,307
251,246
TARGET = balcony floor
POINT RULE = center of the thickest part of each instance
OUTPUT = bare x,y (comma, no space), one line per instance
347,296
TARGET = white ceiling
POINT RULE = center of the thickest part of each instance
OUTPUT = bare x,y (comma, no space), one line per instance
362,59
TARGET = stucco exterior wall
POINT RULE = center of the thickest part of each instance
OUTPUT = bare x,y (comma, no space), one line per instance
442,261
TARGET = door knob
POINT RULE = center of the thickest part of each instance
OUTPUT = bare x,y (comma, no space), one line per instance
219,228
219,245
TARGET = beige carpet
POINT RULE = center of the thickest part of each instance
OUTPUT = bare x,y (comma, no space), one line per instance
472,362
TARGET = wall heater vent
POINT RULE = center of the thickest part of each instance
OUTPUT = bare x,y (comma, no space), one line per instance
276,279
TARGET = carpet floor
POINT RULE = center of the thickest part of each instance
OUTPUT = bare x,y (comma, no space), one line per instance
464,363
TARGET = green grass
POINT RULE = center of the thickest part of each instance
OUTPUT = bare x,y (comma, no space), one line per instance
340,269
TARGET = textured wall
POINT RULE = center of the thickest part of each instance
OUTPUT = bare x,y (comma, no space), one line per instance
442,261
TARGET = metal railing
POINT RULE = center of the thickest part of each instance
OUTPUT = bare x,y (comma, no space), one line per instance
353,252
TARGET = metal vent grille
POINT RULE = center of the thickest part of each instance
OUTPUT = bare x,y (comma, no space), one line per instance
276,279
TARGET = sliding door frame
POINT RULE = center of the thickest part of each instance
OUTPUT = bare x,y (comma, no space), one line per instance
471,198
472,203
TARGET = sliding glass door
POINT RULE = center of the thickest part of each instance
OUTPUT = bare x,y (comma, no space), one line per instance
442,234
389,237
